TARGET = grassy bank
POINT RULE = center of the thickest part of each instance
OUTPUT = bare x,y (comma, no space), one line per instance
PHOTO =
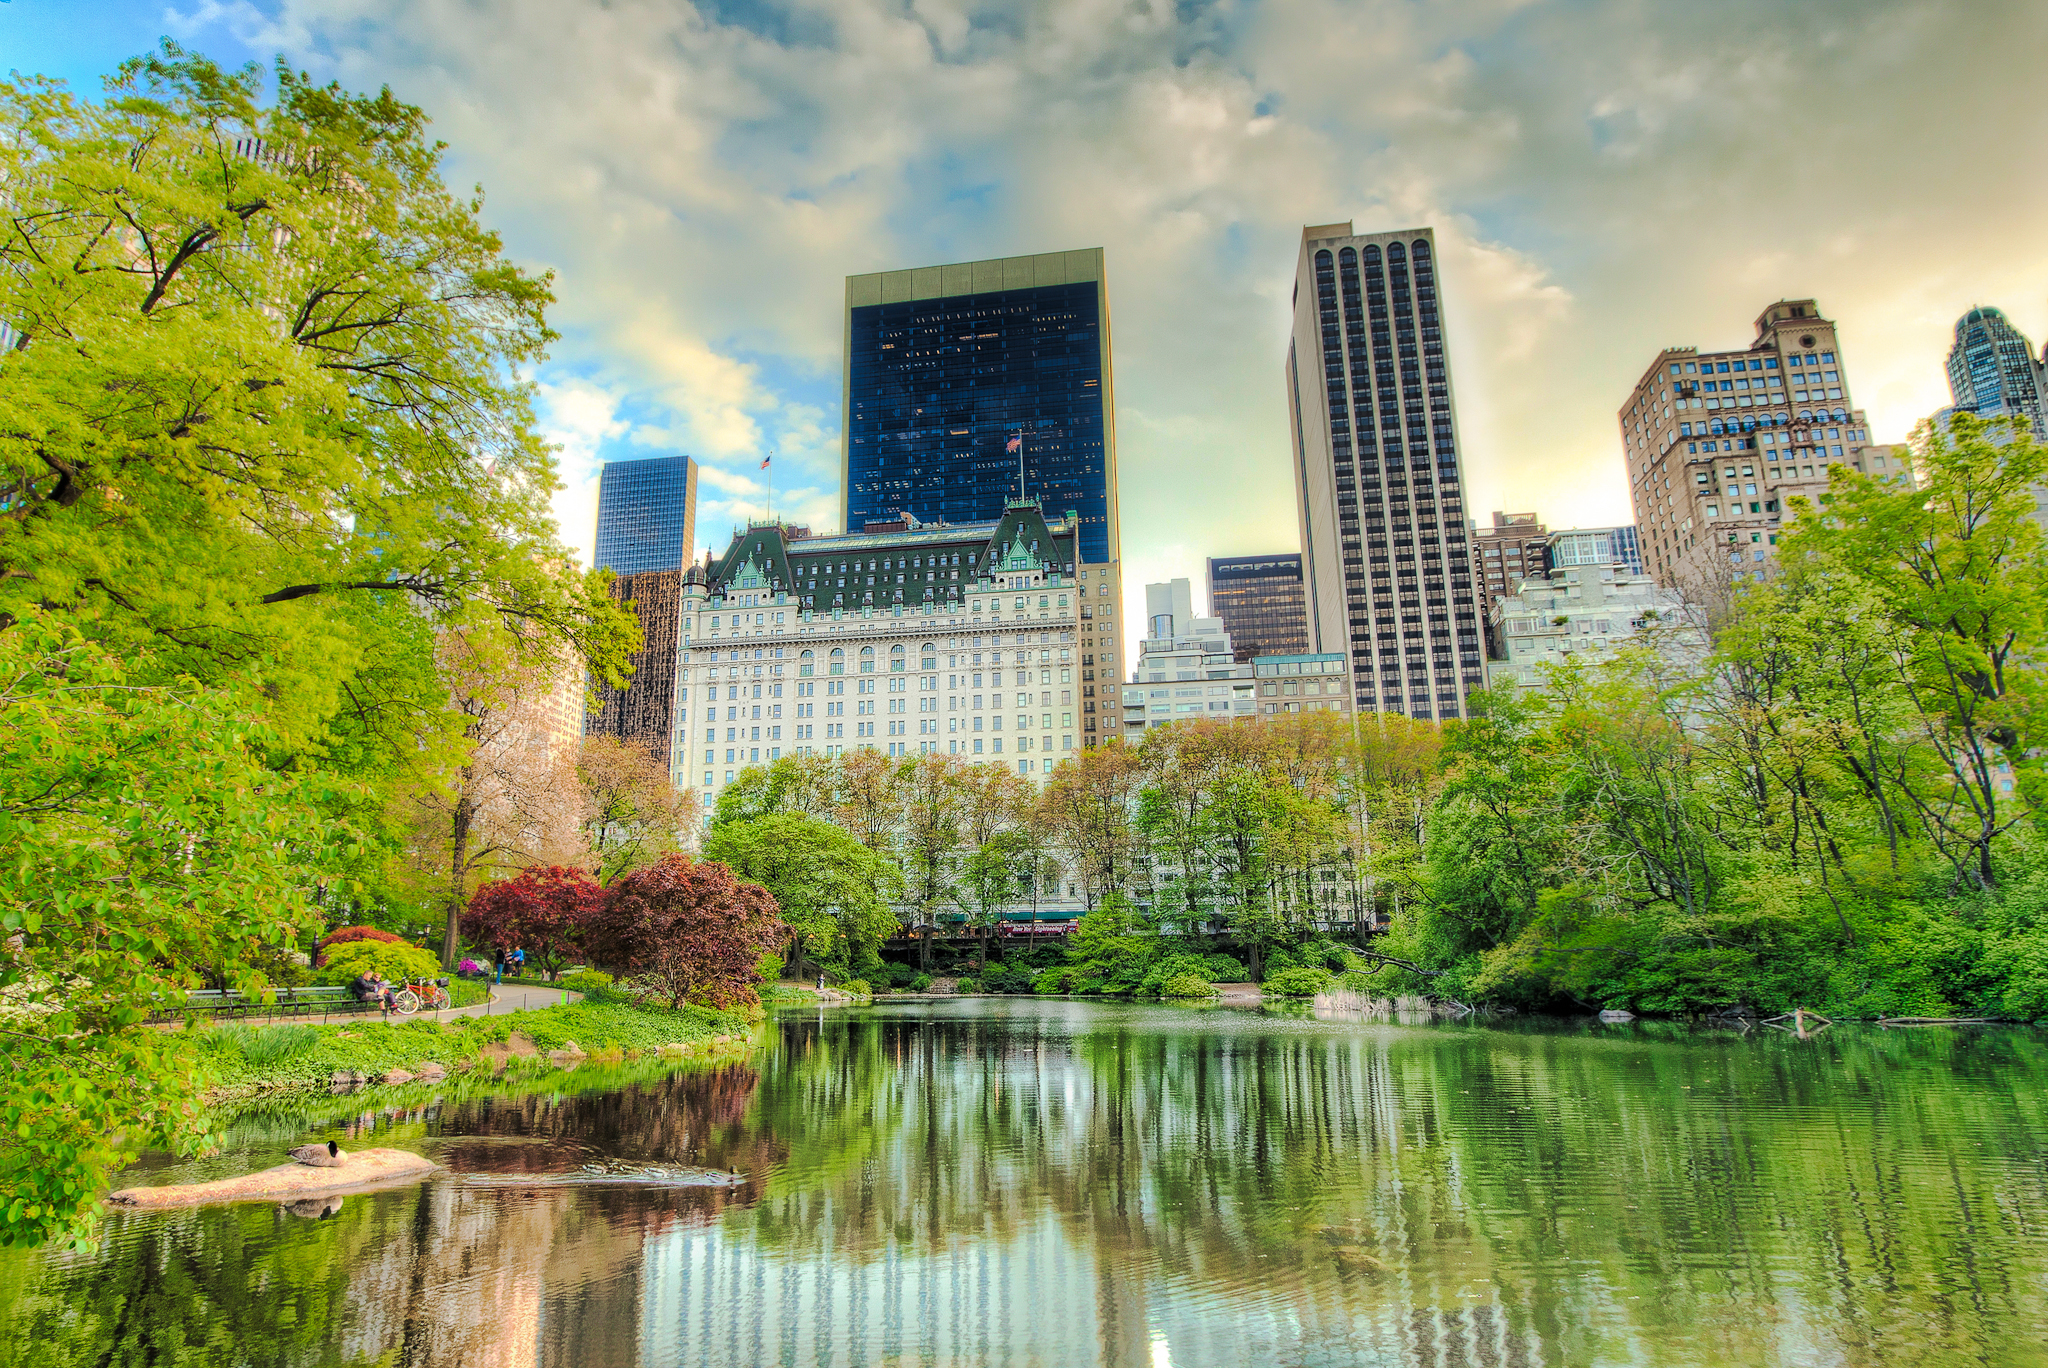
246,1060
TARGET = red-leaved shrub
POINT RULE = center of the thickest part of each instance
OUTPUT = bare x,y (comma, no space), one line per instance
690,927
341,935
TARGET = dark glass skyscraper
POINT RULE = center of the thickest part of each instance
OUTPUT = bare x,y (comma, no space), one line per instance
954,373
1992,371
1261,603
646,514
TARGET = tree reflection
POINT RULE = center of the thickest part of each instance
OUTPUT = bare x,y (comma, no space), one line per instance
1072,1183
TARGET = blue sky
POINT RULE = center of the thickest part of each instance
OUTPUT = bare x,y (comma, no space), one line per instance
1606,177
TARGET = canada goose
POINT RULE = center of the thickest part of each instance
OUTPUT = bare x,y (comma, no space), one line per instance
328,1155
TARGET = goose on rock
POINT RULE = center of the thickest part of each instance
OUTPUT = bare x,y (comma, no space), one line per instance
328,1155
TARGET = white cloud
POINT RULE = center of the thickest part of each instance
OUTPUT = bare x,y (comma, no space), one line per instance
578,417
1605,179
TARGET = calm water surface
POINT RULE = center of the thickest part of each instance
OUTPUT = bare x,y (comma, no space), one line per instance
1029,1183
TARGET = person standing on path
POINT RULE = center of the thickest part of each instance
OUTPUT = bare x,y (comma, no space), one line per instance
498,966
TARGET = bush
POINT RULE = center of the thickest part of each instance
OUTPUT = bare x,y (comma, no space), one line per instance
899,975
920,982
1173,967
1224,969
966,985
1004,978
1187,986
769,967
401,963
348,935
592,983
857,988
1058,979
1297,981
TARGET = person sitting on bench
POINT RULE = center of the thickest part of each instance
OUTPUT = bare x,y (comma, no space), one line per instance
372,985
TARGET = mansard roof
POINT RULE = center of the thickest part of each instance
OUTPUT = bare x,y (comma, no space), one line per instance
765,557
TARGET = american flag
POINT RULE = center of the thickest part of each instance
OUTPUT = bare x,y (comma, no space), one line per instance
1016,442
765,460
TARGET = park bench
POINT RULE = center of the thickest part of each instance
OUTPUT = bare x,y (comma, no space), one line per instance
325,1001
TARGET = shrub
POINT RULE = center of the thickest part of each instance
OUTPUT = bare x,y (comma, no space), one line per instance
899,975
592,983
1297,981
966,985
1058,979
1187,986
469,968
769,967
1224,969
401,963
920,982
1171,967
857,988
1004,978
347,935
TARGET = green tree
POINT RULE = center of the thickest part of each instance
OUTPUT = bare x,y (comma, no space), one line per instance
140,831
835,893
264,416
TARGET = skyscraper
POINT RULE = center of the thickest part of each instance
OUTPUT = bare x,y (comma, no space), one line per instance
1992,371
1378,473
1716,442
1505,552
970,384
1261,603
646,514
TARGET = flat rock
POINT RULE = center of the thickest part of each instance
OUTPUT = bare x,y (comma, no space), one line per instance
399,1076
432,1072
293,1182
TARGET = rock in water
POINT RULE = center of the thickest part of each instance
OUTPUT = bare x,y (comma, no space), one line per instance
398,1076
1616,1014
293,1182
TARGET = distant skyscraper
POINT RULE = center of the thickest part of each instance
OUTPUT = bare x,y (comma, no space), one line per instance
1615,546
1378,474
1507,551
1992,371
954,375
1261,603
646,514
643,713
1718,441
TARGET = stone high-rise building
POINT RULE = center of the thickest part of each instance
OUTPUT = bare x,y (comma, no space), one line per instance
1261,603
1718,441
972,385
1379,479
1992,371
1506,551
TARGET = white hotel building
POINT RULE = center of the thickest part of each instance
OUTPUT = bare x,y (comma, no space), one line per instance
967,639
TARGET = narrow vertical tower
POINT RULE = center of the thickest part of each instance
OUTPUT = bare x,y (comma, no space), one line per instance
1379,478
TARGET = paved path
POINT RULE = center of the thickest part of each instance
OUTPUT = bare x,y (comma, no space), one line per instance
507,997
510,997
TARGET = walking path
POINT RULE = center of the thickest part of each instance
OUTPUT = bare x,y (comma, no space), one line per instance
506,997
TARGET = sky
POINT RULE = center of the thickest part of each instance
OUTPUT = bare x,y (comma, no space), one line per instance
1605,178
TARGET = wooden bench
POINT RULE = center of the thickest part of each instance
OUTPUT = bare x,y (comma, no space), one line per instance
324,1000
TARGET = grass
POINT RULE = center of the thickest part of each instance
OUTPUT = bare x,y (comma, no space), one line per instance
246,1059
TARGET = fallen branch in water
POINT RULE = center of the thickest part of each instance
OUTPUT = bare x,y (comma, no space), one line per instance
1937,1021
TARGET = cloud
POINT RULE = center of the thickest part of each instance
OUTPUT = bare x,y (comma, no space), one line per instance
1605,178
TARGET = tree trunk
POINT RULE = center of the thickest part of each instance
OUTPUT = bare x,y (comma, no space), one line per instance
458,859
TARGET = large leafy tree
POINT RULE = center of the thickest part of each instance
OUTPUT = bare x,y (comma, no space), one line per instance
834,893
140,834
263,414
632,814
542,911
689,928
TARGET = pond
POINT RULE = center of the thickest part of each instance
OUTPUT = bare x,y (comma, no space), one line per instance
1062,1183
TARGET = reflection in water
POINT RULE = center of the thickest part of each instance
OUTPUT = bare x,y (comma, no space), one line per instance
1061,1183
